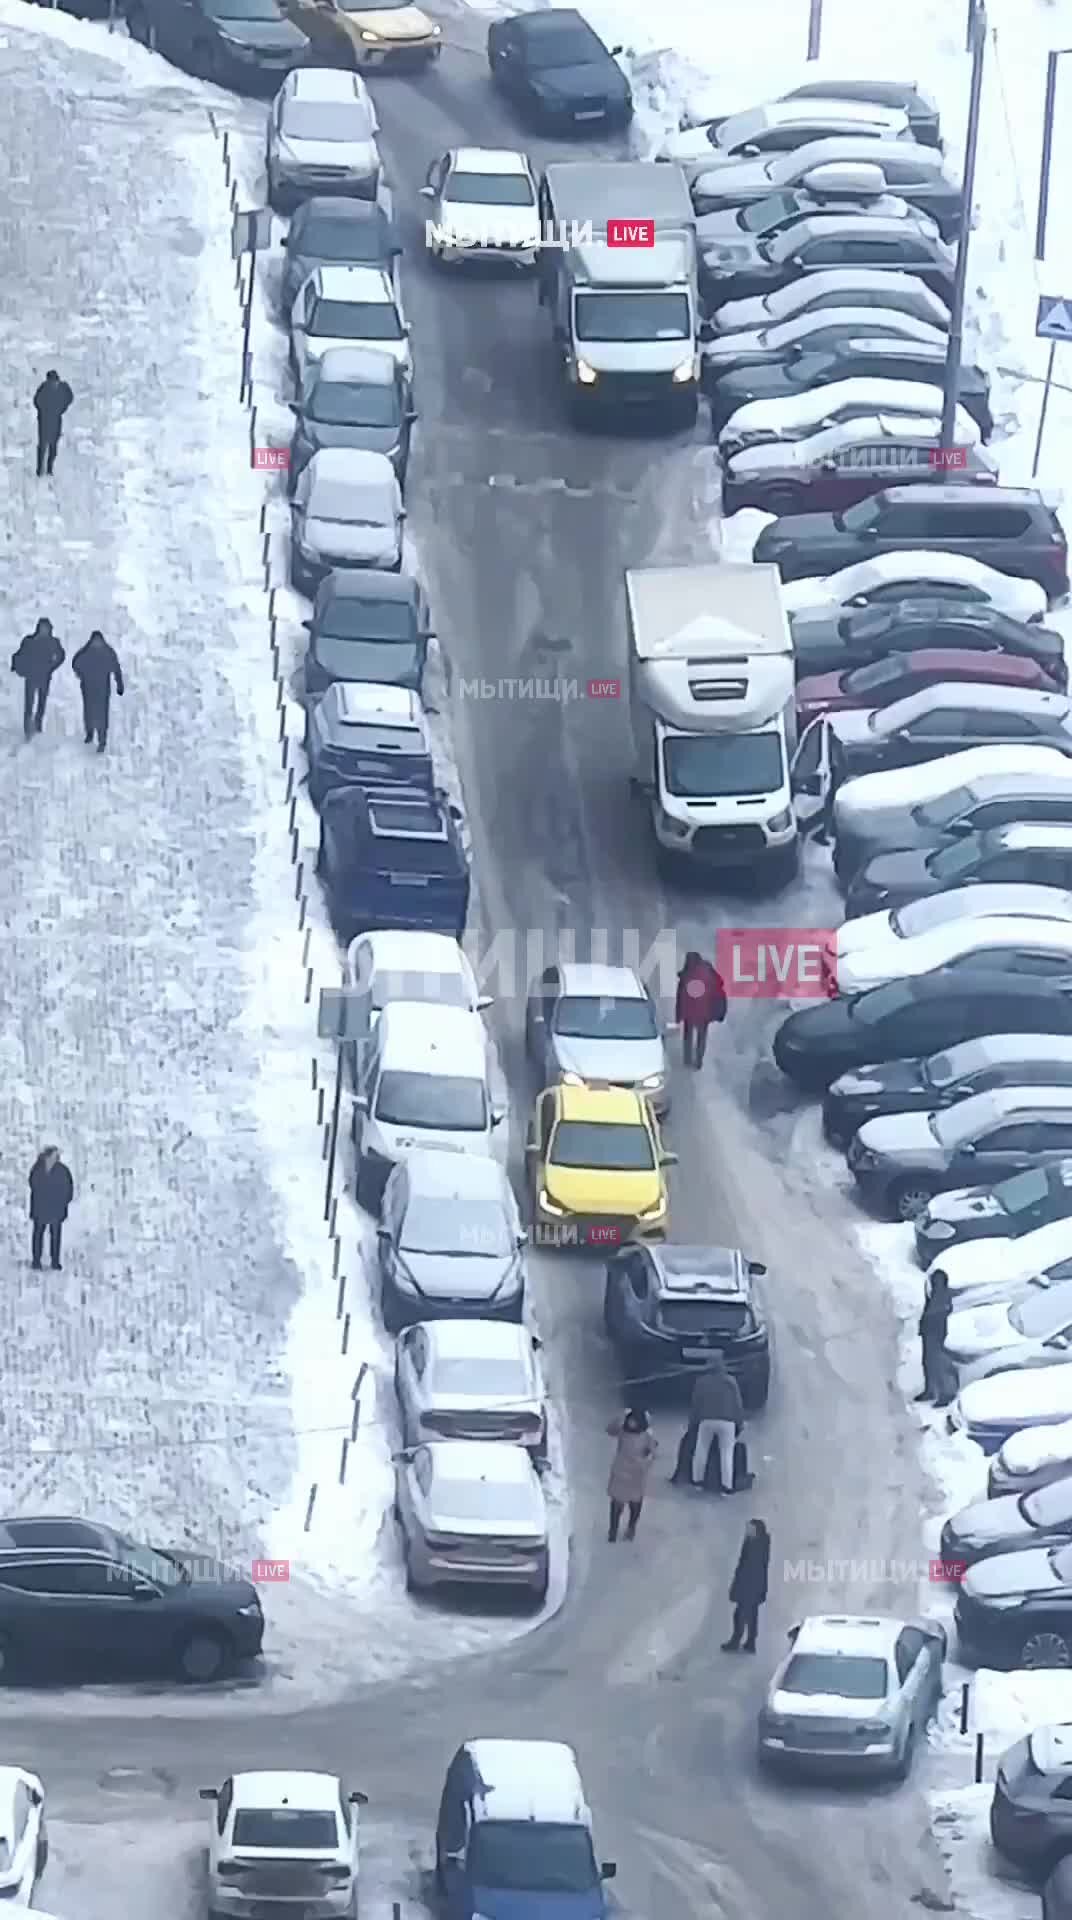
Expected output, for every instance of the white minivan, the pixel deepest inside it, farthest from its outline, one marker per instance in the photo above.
(425, 1082)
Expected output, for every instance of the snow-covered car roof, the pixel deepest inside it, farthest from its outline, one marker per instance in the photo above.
(491, 160)
(529, 1780)
(843, 115)
(472, 1339)
(998, 1262)
(1046, 1446)
(306, 1792)
(810, 449)
(936, 947)
(1035, 1395)
(976, 696)
(870, 1636)
(895, 398)
(600, 982)
(406, 953)
(800, 295)
(364, 366)
(435, 1173)
(958, 906)
(916, 567)
(421, 1037)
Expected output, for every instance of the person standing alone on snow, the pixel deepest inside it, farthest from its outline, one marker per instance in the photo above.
(35, 661)
(51, 1193)
(748, 1588)
(701, 998)
(51, 401)
(628, 1483)
(97, 665)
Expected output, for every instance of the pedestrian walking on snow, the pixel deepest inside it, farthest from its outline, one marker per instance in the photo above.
(51, 1193)
(35, 661)
(748, 1588)
(628, 1483)
(97, 666)
(51, 401)
(716, 1415)
(939, 1377)
(701, 999)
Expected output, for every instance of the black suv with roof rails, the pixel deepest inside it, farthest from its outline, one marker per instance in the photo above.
(803, 369)
(1009, 528)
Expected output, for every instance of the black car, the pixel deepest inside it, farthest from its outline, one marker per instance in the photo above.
(393, 857)
(823, 241)
(1010, 528)
(990, 801)
(372, 626)
(942, 1079)
(345, 747)
(1015, 1609)
(668, 1309)
(1031, 1811)
(873, 358)
(1017, 853)
(77, 1598)
(556, 68)
(863, 634)
(1014, 1520)
(923, 120)
(816, 1045)
(1057, 1891)
(1006, 1212)
(353, 397)
(243, 44)
(332, 232)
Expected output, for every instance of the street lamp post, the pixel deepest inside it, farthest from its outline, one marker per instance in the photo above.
(960, 281)
(1049, 104)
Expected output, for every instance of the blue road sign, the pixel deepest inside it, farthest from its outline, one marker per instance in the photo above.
(1053, 321)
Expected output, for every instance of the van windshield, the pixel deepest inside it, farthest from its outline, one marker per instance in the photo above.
(522, 1856)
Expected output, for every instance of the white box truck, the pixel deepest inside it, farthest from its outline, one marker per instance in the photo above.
(714, 713)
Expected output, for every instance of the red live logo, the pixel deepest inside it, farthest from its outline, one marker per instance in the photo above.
(266, 1571)
(777, 963)
(275, 459)
(604, 689)
(948, 1572)
(630, 233)
(948, 459)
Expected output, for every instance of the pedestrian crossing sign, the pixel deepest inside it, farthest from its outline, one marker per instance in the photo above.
(1053, 320)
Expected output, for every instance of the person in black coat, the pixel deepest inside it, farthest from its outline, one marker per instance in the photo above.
(51, 401)
(51, 1193)
(35, 661)
(97, 666)
(939, 1378)
(748, 1588)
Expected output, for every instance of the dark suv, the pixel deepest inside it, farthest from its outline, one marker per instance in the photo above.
(78, 1598)
(249, 45)
(873, 358)
(668, 1309)
(393, 857)
(1010, 528)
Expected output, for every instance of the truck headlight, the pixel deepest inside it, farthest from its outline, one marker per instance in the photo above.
(685, 372)
(586, 375)
(780, 821)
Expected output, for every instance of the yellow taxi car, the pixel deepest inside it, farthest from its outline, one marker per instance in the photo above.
(372, 33)
(596, 1167)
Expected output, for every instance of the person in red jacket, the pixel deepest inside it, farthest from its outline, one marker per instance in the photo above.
(701, 998)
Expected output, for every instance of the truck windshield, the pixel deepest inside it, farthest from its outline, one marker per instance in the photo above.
(633, 316)
(706, 766)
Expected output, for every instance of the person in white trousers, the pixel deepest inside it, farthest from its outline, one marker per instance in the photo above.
(717, 1413)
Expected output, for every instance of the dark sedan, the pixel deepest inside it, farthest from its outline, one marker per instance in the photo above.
(882, 682)
(353, 397)
(554, 67)
(1019, 853)
(77, 1598)
(1031, 1811)
(244, 44)
(372, 626)
(870, 358)
(1005, 1212)
(1039, 1519)
(943, 1079)
(1015, 1609)
(814, 1046)
(345, 747)
(333, 232)
(854, 639)
(823, 241)
(668, 1309)
(1010, 528)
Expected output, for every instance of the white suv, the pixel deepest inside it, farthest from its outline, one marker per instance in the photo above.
(348, 307)
(425, 1082)
(321, 138)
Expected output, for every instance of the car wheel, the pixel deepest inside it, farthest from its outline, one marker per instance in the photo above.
(203, 1656)
(908, 1198)
(1043, 1649)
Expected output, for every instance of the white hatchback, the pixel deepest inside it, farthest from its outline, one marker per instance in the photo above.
(761, 422)
(482, 206)
(892, 929)
(348, 307)
(923, 572)
(284, 1843)
(1042, 943)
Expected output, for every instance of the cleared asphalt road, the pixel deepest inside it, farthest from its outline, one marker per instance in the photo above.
(524, 529)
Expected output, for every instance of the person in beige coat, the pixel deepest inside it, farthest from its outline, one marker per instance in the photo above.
(628, 1483)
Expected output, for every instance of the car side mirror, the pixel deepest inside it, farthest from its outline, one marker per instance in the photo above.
(358, 1799)
(427, 193)
(412, 415)
(37, 1798)
(456, 813)
(793, 1632)
(209, 1793)
(455, 1859)
(485, 1001)
(498, 1115)
(668, 1159)
(294, 407)
(308, 625)
(407, 329)
(537, 1343)
(757, 1269)
(361, 1102)
(609, 1870)
(968, 1150)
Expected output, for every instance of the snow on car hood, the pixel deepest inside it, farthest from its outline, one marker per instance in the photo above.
(262, 36)
(1046, 1446)
(960, 1203)
(343, 540)
(1030, 1571)
(456, 1276)
(905, 1136)
(978, 1330)
(988, 1520)
(1020, 1399)
(625, 1062)
(1000, 1262)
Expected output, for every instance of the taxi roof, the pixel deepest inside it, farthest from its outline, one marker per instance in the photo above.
(605, 1106)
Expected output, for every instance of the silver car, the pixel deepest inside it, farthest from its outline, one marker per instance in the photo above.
(450, 1240)
(321, 138)
(471, 1380)
(598, 1023)
(348, 307)
(347, 512)
(854, 1693)
(472, 1513)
